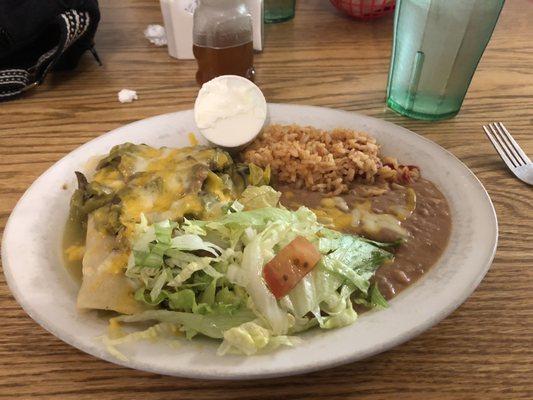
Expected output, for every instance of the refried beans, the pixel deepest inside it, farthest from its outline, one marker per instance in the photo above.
(428, 226)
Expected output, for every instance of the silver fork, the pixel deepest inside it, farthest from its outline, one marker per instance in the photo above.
(510, 152)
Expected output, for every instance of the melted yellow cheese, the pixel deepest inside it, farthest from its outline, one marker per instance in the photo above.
(165, 199)
(328, 202)
(118, 262)
(148, 152)
(114, 330)
(335, 217)
(360, 219)
(192, 139)
(134, 204)
(289, 195)
(187, 205)
(160, 183)
(215, 185)
(373, 223)
(75, 253)
(110, 178)
(167, 159)
(402, 212)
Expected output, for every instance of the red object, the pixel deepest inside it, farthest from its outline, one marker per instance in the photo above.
(290, 265)
(365, 9)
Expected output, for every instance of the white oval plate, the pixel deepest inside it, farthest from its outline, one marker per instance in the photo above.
(31, 255)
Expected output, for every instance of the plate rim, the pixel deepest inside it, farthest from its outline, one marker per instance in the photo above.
(305, 368)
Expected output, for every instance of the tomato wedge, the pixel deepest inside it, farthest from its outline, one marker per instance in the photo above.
(290, 265)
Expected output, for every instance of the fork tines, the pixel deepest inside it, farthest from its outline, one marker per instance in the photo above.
(506, 146)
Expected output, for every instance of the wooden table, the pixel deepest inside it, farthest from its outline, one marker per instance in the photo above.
(483, 350)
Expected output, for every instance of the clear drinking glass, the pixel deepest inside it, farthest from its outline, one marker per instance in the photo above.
(279, 10)
(437, 46)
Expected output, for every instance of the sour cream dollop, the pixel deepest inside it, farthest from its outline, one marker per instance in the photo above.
(230, 111)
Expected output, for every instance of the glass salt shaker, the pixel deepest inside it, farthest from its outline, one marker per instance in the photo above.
(223, 39)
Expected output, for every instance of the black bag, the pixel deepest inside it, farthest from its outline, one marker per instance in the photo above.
(39, 35)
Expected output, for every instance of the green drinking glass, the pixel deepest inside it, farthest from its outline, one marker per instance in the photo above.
(279, 10)
(437, 46)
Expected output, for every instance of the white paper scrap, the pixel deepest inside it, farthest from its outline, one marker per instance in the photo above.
(156, 34)
(127, 96)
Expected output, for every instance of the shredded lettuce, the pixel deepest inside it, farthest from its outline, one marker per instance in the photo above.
(255, 256)
(213, 325)
(251, 338)
(374, 299)
(255, 197)
(161, 330)
(343, 318)
(353, 258)
(205, 276)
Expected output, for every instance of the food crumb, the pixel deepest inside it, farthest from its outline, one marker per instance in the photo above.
(64, 186)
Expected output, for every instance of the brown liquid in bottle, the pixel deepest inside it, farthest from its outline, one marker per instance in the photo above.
(235, 60)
